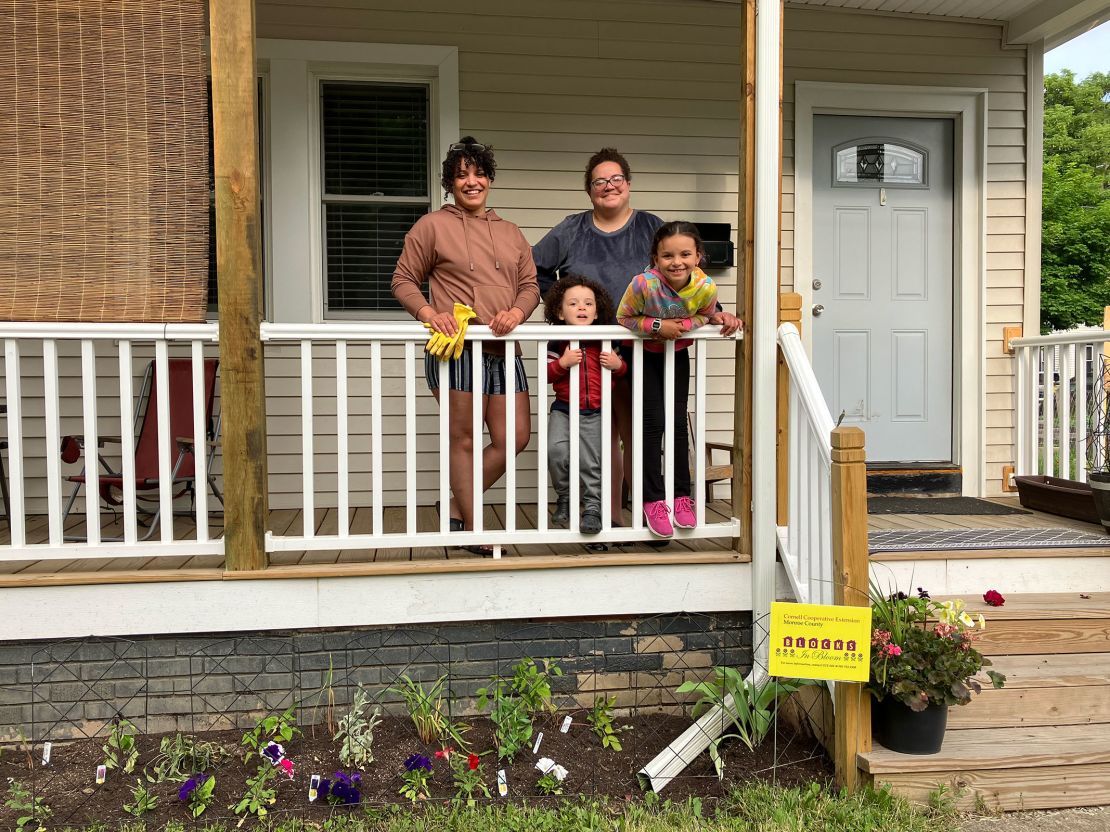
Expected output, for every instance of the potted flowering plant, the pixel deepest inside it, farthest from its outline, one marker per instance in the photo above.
(923, 661)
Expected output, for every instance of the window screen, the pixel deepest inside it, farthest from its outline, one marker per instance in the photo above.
(375, 183)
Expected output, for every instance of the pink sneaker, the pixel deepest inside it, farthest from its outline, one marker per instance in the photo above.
(684, 515)
(658, 518)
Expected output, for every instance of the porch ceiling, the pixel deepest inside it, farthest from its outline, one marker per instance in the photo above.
(1026, 21)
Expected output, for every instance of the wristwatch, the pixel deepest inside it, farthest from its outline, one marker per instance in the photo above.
(656, 325)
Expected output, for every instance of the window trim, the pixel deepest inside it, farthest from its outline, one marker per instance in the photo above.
(318, 81)
(297, 214)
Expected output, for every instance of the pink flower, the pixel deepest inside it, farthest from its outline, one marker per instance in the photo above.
(892, 650)
(286, 765)
(880, 638)
(445, 753)
(994, 598)
(945, 630)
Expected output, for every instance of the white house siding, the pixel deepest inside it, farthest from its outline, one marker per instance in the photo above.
(546, 84)
(874, 49)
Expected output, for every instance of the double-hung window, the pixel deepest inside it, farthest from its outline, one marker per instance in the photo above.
(375, 183)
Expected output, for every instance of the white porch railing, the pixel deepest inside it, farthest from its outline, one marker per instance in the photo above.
(1057, 376)
(532, 339)
(805, 543)
(37, 418)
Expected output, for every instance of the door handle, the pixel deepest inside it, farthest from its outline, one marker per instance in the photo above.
(817, 310)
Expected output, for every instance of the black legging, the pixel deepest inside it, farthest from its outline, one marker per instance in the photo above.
(654, 420)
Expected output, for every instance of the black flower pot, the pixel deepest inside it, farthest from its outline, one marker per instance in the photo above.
(1100, 491)
(907, 731)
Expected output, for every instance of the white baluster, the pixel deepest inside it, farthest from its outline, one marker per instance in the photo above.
(410, 438)
(342, 440)
(700, 361)
(476, 436)
(53, 440)
(637, 434)
(308, 476)
(92, 443)
(12, 383)
(200, 439)
(575, 469)
(541, 447)
(166, 442)
(510, 435)
(376, 435)
(127, 443)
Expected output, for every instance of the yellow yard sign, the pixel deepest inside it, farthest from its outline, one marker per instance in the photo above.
(815, 641)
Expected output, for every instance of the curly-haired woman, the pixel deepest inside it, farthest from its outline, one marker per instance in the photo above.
(468, 254)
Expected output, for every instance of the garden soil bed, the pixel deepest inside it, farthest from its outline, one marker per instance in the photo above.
(68, 783)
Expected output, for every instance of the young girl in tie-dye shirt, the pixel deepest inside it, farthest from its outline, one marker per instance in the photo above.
(671, 298)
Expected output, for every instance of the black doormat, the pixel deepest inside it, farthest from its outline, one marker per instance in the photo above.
(937, 505)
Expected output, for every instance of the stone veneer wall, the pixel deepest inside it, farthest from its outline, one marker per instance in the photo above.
(68, 689)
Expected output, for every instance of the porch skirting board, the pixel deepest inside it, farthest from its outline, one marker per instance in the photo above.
(225, 606)
(921, 540)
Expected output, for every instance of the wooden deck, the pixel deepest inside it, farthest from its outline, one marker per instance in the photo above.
(1033, 520)
(282, 521)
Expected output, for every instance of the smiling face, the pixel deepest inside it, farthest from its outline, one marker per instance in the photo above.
(579, 306)
(470, 188)
(609, 197)
(676, 257)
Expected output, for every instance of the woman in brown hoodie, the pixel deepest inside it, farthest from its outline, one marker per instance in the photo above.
(470, 255)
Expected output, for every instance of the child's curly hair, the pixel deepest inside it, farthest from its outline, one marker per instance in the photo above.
(553, 303)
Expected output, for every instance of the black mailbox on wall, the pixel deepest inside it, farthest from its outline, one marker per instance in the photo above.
(719, 250)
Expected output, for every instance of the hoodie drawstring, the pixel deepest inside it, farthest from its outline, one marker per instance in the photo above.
(493, 242)
(466, 237)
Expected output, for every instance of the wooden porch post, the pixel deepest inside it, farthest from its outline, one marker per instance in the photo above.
(850, 571)
(239, 272)
(745, 274)
(790, 312)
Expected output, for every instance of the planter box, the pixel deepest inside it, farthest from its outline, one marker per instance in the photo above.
(1066, 498)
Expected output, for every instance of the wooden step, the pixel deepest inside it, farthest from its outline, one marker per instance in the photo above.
(1004, 768)
(1041, 690)
(998, 790)
(1044, 623)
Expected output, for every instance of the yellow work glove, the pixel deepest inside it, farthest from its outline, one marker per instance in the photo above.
(439, 345)
(450, 346)
(463, 315)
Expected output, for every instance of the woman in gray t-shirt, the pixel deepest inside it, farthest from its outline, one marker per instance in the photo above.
(610, 243)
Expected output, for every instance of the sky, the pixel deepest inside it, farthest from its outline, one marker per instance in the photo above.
(1090, 52)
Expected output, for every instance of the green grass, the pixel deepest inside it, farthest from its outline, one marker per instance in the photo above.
(754, 808)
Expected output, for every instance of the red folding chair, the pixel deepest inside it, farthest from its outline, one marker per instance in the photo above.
(147, 477)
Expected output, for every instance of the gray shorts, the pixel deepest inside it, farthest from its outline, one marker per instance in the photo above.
(460, 372)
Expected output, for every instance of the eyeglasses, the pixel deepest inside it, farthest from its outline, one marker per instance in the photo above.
(480, 148)
(615, 181)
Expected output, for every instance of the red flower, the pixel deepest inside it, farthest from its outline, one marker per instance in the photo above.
(994, 598)
(473, 760)
(445, 753)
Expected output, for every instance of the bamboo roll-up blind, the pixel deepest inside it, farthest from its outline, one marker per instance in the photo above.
(103, 160)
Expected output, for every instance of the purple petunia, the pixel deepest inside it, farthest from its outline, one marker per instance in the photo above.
(417, 761)
(190, 786)
(274, 753)
(345, 789)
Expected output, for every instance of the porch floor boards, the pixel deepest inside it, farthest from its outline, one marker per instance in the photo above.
(940, 522)
(325, 521)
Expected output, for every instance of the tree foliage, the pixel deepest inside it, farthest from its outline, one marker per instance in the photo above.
(1075, 261)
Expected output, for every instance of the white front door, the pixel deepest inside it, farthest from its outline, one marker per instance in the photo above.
(882, 281)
